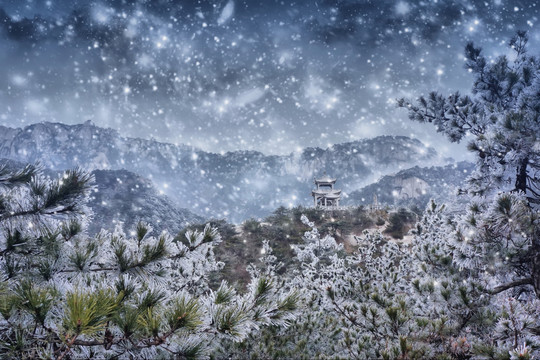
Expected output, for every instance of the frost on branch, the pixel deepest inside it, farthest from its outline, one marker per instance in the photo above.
(480, 259)
(65, 294)
(364, 294)
(314, 246)
(501, 119)
(468, 285)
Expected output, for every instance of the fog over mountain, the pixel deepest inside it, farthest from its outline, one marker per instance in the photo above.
(415, 186)
(234, 185)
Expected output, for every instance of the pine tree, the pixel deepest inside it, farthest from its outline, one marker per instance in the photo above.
(484, 252)
(501, 119)
(356, 305)
(65, 294)
(468, 284)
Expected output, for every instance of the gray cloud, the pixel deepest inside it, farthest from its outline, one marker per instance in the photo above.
(323, 71)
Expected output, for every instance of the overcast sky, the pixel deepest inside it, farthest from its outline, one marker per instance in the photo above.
(267, 75)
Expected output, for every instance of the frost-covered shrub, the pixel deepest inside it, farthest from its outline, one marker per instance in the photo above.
(483, 253)
(65, 294)
(468, 286)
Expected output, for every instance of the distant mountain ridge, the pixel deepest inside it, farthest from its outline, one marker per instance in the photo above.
(122, 198)
(125, 198)
(415, 186)
(236, 185)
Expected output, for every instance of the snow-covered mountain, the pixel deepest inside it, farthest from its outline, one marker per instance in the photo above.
(415, 186)
(235, 185)
(124, 198)
(120, 197)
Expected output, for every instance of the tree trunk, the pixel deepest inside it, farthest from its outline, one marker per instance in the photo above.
(535, 271)
(521, 176)
(535, 254)
(521, 185)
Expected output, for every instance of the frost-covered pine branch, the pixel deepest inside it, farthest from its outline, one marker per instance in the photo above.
(65, 294)
(468, 286)
(480, 264)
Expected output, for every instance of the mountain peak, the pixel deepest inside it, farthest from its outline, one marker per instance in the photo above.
(234, 185)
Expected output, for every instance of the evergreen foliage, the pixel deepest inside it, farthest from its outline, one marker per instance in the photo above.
(468, 285)
(492, 249)
(67, 295)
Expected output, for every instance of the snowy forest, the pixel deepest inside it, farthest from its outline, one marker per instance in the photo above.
(157, 162)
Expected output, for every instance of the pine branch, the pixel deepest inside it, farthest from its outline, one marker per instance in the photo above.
(65, 194)
(10, 179)
(68, 347)
(513, 284)
(61, 198)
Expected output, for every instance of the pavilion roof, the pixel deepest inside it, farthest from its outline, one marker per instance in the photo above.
(325, 179)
